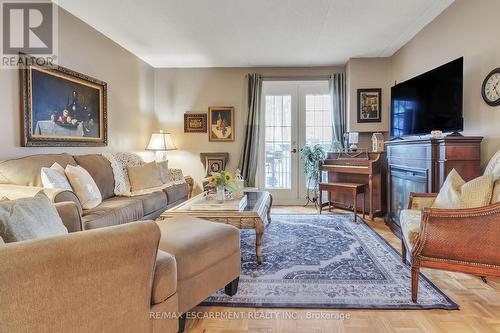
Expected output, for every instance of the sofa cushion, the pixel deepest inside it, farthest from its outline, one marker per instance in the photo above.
(113, 211)
(496, 192)
(165, 279)
(197, 244)
(29, 218)
(26, 170)
(493, 167)
(100, 169)
(153, 202)
(410, 225)
(176, 192)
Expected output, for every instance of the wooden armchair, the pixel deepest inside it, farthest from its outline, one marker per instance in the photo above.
(461, 240)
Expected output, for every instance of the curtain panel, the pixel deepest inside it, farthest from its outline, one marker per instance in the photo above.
(337, 87)
(248, 160)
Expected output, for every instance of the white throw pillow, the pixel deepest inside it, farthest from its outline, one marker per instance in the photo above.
(84, 186)
(457, 194)
(54, 177)
(493, 167)
(496, 192)
(119, 163)
(29, 218)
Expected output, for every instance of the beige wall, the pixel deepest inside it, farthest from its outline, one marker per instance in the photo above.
(195, 89)
(368, 73)
(130, 90)
(469, 29)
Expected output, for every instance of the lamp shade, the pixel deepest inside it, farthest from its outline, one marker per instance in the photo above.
(161, 142)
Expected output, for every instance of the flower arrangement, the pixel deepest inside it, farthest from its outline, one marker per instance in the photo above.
(223, 180)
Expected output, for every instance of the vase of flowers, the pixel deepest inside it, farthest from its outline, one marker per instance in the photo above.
(222, 181)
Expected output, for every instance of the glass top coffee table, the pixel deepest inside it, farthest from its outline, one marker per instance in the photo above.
(255, 215)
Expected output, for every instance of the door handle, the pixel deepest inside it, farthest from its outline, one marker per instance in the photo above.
(294, 150)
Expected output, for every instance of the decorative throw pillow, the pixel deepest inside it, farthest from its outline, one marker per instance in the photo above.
(493, 167)
(496, 192)
(84, 186)
(214, 164)
(54, 177)
(144, 179)
(1, 241)
(165, 174)
(29, 218)
(119, 163)
(457, 194)
(176, 177)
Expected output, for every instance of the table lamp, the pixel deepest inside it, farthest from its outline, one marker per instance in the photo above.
(160, 143)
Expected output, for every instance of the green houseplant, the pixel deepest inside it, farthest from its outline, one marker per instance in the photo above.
(312, 158)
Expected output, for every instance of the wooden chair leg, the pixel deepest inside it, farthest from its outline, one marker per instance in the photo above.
(329, 201)
(414, 281)
(355, 206)
(403, 251)
(320, 199)
(364, 198)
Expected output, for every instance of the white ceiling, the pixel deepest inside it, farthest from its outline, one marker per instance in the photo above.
(246, 33)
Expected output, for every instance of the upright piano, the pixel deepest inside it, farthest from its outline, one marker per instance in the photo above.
(358, 167)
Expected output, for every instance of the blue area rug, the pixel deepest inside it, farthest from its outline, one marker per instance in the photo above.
(326, 261)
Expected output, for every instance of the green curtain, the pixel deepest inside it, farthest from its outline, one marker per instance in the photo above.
(248, 160)
(337, 87)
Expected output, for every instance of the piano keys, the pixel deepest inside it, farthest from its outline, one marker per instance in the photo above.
(360, 167)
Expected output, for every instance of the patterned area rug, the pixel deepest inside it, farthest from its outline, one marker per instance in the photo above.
(326, 261)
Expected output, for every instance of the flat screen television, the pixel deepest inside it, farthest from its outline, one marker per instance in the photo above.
(430, 101)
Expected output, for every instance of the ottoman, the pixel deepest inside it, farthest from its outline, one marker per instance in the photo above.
(207, 254)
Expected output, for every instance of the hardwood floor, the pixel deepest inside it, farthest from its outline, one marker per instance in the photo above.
(479, 307)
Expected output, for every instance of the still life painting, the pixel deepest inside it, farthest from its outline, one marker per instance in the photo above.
(62, 108)
(369, 105)
(221, 120)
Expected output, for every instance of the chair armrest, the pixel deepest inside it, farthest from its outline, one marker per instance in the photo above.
(466, 236)
(165, 278)
(421, 200)
(79, 281)
(55, 195)
(70, 215)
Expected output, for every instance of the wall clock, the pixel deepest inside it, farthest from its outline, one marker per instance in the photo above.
(491, 88)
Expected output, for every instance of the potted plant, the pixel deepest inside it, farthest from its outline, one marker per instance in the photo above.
(312, 158)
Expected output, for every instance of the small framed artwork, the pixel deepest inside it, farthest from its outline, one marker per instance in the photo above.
(221, 123)
(62, 108)
(195, 122)
(369, 105)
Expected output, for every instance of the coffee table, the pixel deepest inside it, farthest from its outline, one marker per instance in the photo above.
(256, 215)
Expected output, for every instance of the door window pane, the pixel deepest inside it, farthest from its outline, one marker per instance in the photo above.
(278, 145)
(318, 120)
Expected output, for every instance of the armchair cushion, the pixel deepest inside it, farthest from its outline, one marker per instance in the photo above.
(410, 225)
(496, 192)
(457, 194)
(493, 167)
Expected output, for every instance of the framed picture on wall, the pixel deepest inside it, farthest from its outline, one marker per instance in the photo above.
(369, 105)
(62, 108)
(195, 122)
(221, 123)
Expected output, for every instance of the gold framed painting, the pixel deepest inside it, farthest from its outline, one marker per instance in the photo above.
(62, 108)
(221, 123)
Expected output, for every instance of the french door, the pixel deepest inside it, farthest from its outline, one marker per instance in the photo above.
(293, 114)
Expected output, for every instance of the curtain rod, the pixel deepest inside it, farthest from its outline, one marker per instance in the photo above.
(295, 77)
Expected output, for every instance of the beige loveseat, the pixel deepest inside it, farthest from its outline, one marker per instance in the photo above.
(21, 177)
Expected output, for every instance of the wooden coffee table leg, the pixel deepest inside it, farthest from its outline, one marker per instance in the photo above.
(259, 233)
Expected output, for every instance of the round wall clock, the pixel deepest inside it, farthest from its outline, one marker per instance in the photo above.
(491, 88)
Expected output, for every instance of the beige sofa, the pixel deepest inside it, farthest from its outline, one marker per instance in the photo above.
(21, 176)
(89, 282)
(207, 254)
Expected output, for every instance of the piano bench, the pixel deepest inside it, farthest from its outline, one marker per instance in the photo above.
(354, 188)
